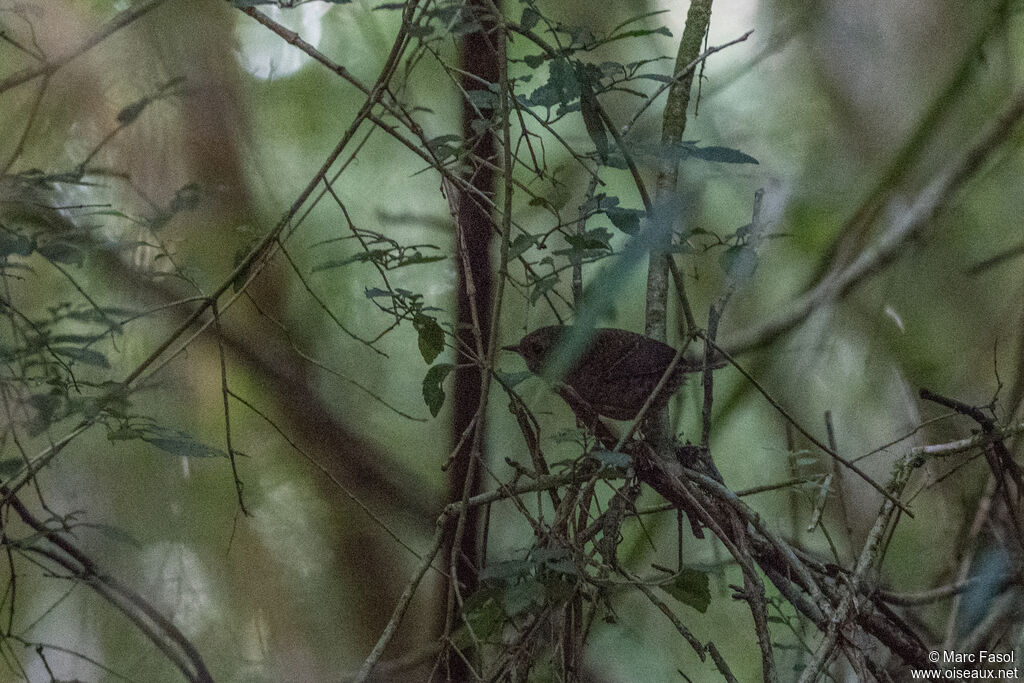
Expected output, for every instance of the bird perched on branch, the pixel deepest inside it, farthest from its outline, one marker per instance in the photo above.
(616, 372)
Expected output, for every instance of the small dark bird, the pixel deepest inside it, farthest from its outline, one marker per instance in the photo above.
(614, 374)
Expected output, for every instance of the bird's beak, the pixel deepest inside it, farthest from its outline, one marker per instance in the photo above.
(513, 347)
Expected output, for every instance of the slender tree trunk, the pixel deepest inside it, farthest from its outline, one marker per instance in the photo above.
(479, 60)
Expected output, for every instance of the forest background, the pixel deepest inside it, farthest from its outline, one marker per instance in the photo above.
(258, 263)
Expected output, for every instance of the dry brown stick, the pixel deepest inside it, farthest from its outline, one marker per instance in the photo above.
(667, 611)
(793, 576)
(851, 597)
(753, 594)
(723, 666)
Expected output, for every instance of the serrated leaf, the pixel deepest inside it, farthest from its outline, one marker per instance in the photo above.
(542, 286)
(598, 238)
(520, 244)
(690, 587)
(561, 88)
(433, 391)
(430, 337)
(529, 18)
(533, 61)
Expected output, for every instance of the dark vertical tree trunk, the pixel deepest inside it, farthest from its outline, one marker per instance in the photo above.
(479, 60)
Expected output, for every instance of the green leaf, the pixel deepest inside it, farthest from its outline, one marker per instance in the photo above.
(626, 220)
(186, 198)
(433, 392)
(117, 534)
(592, 120)
(445, 146)
(482, 99)
(598, 238)
(520, 244)
(511, 379)
(561, 88)
(62, 252)
(124, 434)
(542, 286)
(431, 337)
(420, 30)
(690, 587)
(523, 596)
(556, 198)
(81, 355)
(45, 407)
(482, 617)
(530, 18)
(178, 443)
(506, 571)
(661, 78)
(132, 111)
(15, 245)
(533, 61)
(10, 467)
(240, 255)
(638, 33)
(740, 261)
(724, 155)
